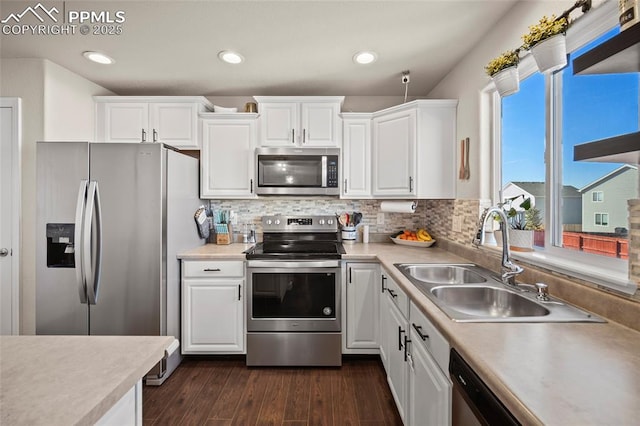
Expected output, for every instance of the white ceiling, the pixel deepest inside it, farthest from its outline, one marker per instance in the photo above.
(290, 47)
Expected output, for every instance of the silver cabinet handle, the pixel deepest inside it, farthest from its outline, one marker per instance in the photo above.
(383, 279)
(410, 183)
(144, 135)
(304, 136)
(4, 252)
(293, 136)
(155, 135)
(239, 291)
(345, 186)
(251, 186)
(211, 269)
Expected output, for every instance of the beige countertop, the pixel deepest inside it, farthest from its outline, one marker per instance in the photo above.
(70, 380)
(544, 373)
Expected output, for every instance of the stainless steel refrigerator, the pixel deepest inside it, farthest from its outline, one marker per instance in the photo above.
(111, 218)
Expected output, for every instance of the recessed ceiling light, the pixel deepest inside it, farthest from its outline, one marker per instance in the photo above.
(365, 57)
(98, 57)
(230, 57)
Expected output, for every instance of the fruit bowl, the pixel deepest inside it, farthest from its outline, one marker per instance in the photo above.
(412, 243)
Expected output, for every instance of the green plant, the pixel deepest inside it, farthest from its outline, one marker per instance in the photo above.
(505, 60)
(517, 216)
(545, 28)
(532, 219)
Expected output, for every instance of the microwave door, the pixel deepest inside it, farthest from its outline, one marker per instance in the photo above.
(291, 173)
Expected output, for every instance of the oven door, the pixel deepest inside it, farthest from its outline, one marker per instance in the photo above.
(293, 296)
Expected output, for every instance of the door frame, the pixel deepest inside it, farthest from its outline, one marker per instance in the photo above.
(16, 195)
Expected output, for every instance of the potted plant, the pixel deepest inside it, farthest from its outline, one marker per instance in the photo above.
(503, 70)
(547, 42)
(524, 220)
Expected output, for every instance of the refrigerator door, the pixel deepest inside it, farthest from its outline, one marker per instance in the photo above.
(60, 168)
(131, 181)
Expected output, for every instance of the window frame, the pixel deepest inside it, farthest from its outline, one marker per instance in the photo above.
(597, 196)
(608, 272)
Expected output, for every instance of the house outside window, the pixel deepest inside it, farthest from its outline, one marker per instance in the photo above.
(538, 129)
(597, 196)
(602, 219)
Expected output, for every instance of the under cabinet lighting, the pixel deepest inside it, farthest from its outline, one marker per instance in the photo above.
(230, 57)
(98, 57)
(365, 57)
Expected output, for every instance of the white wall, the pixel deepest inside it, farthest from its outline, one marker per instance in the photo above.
(468, 79)
(351, 103)
(56, 105)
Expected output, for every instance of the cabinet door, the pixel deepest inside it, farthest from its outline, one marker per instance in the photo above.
(279, 124)
(394, 148)
(320, 125)
(383, 323)
(397, 371)
(123, 122)
(175, 124)
(429, 388)
(212, 316)
(356, 158)
(363, 298)
(227, 158)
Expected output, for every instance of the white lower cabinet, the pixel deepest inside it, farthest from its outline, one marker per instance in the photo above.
(416, 358)
(362, 291)
(212, 307)
(127, 411)
(429, 384)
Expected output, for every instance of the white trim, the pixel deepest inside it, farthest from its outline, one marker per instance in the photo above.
(16, 197)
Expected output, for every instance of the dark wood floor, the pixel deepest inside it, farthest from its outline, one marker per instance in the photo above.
(218, 391)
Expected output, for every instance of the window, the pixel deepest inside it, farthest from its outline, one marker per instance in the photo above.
(538, 129)
(602, 219)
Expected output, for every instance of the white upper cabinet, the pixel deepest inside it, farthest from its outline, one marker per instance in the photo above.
(227, 159)
(171, 120)
(312, 121)
(413, 150)
(356, 155)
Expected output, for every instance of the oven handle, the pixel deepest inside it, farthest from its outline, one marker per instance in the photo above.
(293, 264)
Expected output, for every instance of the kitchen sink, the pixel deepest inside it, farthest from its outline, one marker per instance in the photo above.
(444, 274)
(470, 293)
(489, 302)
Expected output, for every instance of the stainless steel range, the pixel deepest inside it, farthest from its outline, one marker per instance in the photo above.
(293, 303)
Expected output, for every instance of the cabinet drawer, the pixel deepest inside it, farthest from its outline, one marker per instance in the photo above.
(398, 296)
(431, 339)
(212, 268)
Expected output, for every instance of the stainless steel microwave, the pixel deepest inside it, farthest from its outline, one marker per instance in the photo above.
(297, 171)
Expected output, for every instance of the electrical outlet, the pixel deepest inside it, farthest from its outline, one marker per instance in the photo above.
(457, 224)
(380, 219)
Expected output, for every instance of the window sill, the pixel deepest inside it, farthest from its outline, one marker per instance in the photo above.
(606, 272)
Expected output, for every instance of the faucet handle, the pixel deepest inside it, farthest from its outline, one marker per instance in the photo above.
(543, 291)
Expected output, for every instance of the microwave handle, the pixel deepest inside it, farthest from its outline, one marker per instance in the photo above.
(324, 171)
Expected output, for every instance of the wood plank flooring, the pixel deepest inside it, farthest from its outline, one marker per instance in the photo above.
(222, 391)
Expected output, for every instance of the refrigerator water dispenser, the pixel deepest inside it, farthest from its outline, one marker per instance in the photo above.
(60, 248)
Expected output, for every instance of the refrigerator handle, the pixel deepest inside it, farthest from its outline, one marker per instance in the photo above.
(92, 261)
(77, 240)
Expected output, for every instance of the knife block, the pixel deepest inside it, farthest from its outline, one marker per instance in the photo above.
(225, 238)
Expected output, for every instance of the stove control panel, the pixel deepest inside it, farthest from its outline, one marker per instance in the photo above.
(299, 224)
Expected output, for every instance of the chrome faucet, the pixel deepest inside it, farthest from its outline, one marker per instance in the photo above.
(509, 270)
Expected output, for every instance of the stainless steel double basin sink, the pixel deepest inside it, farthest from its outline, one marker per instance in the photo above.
(469, 293)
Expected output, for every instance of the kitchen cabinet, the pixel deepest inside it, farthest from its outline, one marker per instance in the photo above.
(395, 343)
(291, 121)
(213, 307)
(127, 411)
(620, 54)
(356, 155)
(362, 296)
(430, 389)
(227, 158)
(413, 150)
(172, 120)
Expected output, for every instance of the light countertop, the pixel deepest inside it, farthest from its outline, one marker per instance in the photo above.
(71, 380)
(544, 373)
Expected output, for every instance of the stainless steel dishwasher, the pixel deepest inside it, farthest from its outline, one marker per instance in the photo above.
(473, 403)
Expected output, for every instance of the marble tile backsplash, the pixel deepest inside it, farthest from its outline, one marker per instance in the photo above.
(251, 211)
